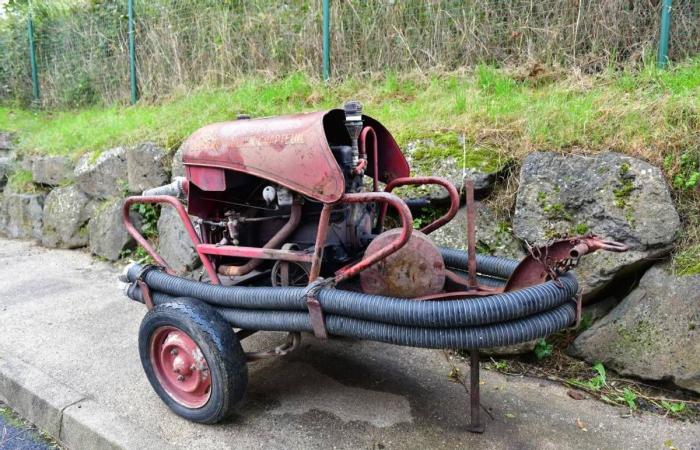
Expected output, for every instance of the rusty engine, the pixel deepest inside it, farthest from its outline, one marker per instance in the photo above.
(262, 184)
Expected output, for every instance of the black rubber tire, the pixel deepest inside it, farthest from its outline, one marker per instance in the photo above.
(220, 347)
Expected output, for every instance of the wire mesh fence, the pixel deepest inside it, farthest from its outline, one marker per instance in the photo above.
(83, 54)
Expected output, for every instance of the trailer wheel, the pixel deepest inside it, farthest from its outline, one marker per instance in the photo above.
(193, 360)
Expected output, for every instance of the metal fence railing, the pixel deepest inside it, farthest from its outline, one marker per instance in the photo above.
(119, 50)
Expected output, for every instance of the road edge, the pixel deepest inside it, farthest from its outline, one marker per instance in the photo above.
(71, 418)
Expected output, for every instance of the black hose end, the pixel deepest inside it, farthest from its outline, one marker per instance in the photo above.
(132, 272)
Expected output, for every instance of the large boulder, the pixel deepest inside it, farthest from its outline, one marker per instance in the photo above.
(108, 236)
(52, 170)
(23, 163)
(147, 166)
(102, 176)
(7, 161)
(6, 146)
(493, 236)
(174, 244)
(6, 167)
(66, 214)
(654, 333)
(22, 214)
(177, 168)
(611, 195)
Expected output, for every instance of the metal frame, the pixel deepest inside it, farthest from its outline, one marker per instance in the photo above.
(205, 250)
(440, 221)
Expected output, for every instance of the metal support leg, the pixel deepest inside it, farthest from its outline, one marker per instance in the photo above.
(475, 426)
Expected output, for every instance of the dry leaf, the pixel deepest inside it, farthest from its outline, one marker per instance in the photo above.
(576, 395)
(581, 425)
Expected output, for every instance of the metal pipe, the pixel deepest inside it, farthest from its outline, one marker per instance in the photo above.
(189, 228)
(471, 234)
(276, 240)
(178, 188)
(444, 182)
(292, 343)
(475, 426)
(664, 33)
(375, 154)
(32, 60)
(578, 250)
(132, 53)
(406, 230)
(326, 40)
(321, 234)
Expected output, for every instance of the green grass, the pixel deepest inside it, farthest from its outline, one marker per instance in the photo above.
(624, 111)
(502, 115)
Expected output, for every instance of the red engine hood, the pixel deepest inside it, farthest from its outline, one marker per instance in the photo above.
(290, 150)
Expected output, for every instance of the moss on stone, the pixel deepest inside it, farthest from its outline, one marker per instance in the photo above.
(94, 156)
(21, 181)
(580, 229)
(638, 339)
(553, 210)
(441, 145)
(624, 187)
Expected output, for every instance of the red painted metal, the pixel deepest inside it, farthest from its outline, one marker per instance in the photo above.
(316, 316)
(482, 291)
(180, 367)
(321, 234)
(254, 252)
(545, 262)
(290, 150)
(453, 278)
(471, 234)
(391, 163)
(440, 221)
(368, 132)
(207, 178)
(406, 230)
(146, 293)
(189, 228)
(415, 270)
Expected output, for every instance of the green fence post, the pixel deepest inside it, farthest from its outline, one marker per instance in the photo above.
(664, 32)
(32, 59)
(132, 54)
(326, 40)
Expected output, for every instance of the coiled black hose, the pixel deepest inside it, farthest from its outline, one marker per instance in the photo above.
(375, 308)
(482, 322)
(495, 335)
(486, 264)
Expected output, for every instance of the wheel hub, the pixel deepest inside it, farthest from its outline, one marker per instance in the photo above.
(180, 367)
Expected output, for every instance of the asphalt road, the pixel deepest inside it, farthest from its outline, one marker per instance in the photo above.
(62, 313)
(17, 434)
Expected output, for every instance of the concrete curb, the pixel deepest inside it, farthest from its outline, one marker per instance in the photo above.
(68, 416)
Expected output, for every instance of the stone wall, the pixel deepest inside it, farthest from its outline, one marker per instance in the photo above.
(78, 204)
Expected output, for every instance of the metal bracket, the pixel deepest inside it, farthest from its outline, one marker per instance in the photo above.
(143, 287)
(318, 322)
(579, 307)
(475, 425)
(145, 293)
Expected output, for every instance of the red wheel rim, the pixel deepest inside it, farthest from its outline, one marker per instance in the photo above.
(180, 367)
